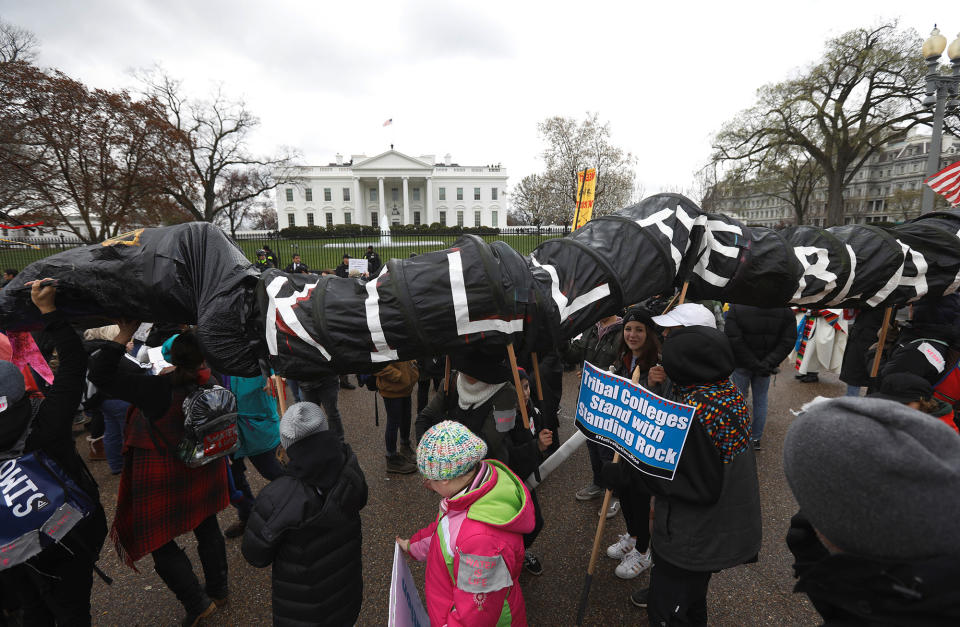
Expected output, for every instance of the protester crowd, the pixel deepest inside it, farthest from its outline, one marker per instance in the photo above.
(876, 478)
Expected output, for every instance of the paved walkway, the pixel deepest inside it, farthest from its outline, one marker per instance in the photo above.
(757, 594)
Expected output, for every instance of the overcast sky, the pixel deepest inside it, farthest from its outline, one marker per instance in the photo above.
(472, 79)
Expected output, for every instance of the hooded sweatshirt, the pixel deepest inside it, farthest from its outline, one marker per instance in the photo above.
(474, 551)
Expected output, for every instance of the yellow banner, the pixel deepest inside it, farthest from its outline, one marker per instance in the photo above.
(586, 188)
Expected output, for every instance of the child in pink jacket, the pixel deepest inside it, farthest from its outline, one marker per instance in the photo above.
(474, 549)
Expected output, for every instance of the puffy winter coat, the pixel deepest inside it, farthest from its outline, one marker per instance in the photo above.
(474, 552)
(307, 524)
(761, 338)
(599, 349)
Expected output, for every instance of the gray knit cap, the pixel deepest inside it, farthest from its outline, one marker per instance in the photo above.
(301, 420)
(876, 478)
(11, 385)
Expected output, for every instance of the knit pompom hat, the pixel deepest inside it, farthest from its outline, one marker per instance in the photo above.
(448, 450)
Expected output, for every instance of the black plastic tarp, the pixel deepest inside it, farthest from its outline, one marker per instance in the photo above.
(189, 273)
(486, 295)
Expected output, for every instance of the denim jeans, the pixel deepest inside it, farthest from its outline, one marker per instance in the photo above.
(325, 392)
(398, 422)
(760, 384)
(269, 468)
(853, 390)
(114, 421)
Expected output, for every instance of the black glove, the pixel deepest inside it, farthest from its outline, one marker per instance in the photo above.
(613, 476)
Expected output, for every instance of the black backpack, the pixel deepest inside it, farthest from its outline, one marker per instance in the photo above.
(209, 426)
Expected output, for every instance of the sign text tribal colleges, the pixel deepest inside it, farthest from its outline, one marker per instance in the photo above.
(648, 431)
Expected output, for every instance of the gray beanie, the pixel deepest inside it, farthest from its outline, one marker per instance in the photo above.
(301, 420)
(876, 478)
(11, 385)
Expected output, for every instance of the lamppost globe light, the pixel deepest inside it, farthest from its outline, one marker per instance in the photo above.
(954, 50)
(934, 45)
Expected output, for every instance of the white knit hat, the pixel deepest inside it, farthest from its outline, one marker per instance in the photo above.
(301, 420)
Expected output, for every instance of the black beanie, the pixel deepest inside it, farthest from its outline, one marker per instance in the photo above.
(696, 355)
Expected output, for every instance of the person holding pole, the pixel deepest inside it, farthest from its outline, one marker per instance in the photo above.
(640, 351)
(708, 517)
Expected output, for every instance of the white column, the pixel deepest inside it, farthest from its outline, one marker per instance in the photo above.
(429, 191)
(380, 218)
(358, 204)
(405, 215)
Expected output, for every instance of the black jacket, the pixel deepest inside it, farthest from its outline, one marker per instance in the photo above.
(307, 524)
(373, 262)
(51, 430)
(342, 271)
(599, 351)
(857, 357)
(851, 590)
(708, 517)
(761, 338)
(297, 268)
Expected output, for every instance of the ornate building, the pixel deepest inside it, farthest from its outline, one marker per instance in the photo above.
(886, 189)
(393, 188)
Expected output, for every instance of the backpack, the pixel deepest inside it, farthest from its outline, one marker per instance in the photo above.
(209, 426)
(40, 505)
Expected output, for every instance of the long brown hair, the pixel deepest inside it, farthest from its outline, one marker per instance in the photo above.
(649, 352)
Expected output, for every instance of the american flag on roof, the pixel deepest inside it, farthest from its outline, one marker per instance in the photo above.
(388, 122)
(946, 182)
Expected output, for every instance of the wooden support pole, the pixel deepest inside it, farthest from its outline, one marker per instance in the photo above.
(280, 385)
(536, 375)
(516, 383)
(882, 340)
(598, 537)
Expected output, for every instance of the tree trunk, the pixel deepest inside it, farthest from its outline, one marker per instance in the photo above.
(834, 200)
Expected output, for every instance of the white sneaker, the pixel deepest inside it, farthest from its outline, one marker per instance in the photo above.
(613, 508)
(623, 546)
(632, 564)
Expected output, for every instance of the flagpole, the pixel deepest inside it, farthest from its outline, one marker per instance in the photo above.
(580, 186)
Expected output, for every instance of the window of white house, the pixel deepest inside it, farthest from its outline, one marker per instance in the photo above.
(476, 218)
(308, 194)
(443, 218)
(289, 195)
(373, 219)
(493, 194)
(394, 194)
(493, 216)
(459, 193)
(346, 194)
(459, 218)
(416, 217)
(291, 221)
(416, 193)
(443, 193)
(347, 218)
(329, 219)
(309, 219)
(476, 193)
(373, 194)
(327, 194)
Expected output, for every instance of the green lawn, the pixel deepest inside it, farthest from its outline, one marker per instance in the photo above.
(316, 253)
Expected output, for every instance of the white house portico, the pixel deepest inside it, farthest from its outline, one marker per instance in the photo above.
(393, 188)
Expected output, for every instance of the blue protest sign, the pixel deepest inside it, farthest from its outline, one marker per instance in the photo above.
(647, 430)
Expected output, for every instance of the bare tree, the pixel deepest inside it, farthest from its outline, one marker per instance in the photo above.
(264, 217)
(532, 201)
(574, 146)
(81, 158)
(864, 93)
(211, 143)
(17, 44)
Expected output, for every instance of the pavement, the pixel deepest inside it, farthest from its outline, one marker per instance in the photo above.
(754, 594)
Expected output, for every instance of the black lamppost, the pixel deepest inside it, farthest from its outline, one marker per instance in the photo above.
(939, 88)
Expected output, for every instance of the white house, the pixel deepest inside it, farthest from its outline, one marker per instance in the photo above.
(393, 188)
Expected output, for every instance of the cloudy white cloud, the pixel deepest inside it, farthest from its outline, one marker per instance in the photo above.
(469, 78)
